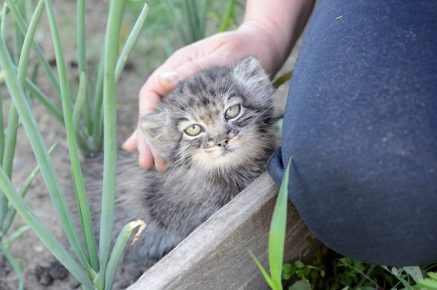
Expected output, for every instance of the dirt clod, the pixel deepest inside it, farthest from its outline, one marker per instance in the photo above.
(46, 275)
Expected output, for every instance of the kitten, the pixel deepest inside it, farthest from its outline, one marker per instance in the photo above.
(215, 132)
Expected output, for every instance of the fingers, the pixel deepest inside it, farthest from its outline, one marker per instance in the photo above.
(131, 143)
(168, 80)
(146, 159)
(160, 164)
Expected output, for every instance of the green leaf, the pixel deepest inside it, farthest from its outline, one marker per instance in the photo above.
(38, 51)
(15, 266)
(300, 285)
(428, 284)
(42, 232)
(432, 275)
(287, 271)
(119, 247)
(110, 141)
(277, 230)
(266, 276)
(40, 150)
(131, 39)
(17, 234)
(78, 181)
(414, 272)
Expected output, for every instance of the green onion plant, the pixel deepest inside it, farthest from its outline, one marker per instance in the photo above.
(86, 117)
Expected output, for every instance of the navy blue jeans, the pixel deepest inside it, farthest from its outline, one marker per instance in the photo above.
(361, 126)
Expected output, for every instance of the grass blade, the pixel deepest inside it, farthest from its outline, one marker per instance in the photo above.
(44, 100)
(9, 152)
(2, 130)
(119, 248)
(14, 265)
(13, 125)
(266, 276)
(229, 15)
(131, 39)
(17, 93)
(81, 53)
(79, 184)
(81, 40)
(277, 230)
(282, 79)
(110, 141)
(80, 100)
(23, 191)
(97, 108)
(3, 20)
(18, 233)
(48, 239)
(3, 201)
(38, 52)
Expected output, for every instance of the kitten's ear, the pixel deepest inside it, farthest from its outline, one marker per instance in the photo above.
(160, 133)
(249, 72)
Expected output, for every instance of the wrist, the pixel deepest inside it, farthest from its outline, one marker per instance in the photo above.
(265, 44)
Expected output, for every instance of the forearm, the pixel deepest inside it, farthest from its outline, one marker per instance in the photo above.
(279, 24)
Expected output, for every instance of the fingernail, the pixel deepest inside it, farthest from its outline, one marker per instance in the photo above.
(169, 78)
(160, 164)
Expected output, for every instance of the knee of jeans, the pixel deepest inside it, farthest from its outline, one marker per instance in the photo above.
(275, 166)
(373, 219)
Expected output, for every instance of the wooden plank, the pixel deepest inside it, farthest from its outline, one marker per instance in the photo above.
(215, 255)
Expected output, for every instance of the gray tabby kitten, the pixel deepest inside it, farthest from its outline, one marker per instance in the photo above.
(215, 132)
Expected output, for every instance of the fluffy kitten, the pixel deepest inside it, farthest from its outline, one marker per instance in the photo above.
(215, 132)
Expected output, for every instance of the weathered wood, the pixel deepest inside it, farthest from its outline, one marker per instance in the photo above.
(216, 255)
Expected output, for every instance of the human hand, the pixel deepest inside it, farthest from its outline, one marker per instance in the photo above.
(221, 49)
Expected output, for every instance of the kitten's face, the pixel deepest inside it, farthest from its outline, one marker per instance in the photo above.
(216, 119)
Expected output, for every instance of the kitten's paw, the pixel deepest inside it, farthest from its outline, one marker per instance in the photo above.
(45, 275)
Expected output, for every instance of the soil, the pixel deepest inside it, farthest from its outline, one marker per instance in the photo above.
(28, 250)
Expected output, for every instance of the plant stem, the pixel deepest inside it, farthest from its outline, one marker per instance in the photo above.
(36, 92)
(18, 233)
(81, 56)
(43, 233)
(2, 130)
(116, 10)
(23, 191)
(9, 153)
(14, 266)
(97, 108)
(131, 39)
(119, 248)
(78, 181)
(34, 136)
(38, 52)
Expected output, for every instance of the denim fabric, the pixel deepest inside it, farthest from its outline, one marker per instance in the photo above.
(361, 126)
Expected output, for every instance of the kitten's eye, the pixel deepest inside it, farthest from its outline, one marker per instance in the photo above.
(193, 130)
(232, 112)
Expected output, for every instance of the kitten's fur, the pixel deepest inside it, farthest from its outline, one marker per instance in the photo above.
(201, 176)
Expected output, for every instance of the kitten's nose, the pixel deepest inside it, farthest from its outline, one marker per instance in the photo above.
(221, 140)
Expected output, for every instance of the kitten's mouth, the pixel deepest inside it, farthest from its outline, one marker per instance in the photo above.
(220, 150)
